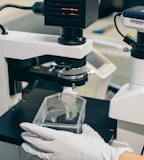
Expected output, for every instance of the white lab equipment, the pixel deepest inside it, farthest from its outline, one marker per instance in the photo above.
(27, 51)
(127, 105)
(13, 46)
(100, 70)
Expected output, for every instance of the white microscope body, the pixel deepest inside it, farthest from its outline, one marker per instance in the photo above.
(127, 106)
(69, 50)
(22, 46)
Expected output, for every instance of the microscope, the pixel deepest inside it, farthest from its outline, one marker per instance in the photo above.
(23, 54)
(127, 106)
(28, 57)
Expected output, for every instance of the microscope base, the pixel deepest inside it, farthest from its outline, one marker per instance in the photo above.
(127, 107)
(132, 134)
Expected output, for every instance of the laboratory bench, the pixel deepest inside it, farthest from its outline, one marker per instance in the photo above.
(25, 111)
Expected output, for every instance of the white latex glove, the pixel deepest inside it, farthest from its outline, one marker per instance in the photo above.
(50, 144)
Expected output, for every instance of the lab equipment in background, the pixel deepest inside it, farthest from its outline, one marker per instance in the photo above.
(100, 70)
(62, 111)
(127, 106)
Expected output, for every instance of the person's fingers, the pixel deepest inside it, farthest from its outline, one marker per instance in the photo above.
(43, 132)
(29, 134)
(35, 152)
(37, 142)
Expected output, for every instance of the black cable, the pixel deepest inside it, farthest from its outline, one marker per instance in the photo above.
(13, 6)
(115, 23)
(127, 39)
(142, 152)
(3, 30)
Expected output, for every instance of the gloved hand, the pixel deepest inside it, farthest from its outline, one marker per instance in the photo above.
(50, 144)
